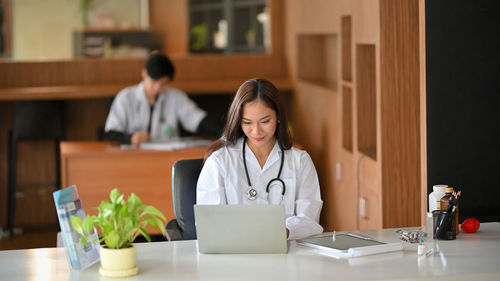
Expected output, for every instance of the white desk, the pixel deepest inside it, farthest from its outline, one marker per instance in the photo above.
(471, 257)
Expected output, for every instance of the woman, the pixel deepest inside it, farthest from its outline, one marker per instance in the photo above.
(254, 162)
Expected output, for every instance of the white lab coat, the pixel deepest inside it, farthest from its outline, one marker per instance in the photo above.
(223, 181)
(130, 113)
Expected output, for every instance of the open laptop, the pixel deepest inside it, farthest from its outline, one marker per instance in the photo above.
(241, 229)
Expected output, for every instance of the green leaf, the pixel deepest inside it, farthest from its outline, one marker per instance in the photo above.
(106, 213)
(114, 195)
(161, 226)
(134, 202)
(150, 221)
(84, 241)
(77, 224)
(145, 234)
(112, 239)
(150, 210)
(88, 224)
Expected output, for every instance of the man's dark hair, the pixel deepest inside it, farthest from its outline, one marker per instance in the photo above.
(158, 66)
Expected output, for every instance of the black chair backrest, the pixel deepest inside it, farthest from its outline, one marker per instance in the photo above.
(185, 175)
(38, 120)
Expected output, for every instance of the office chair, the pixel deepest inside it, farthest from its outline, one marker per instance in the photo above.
(185, 175)
(32, 120)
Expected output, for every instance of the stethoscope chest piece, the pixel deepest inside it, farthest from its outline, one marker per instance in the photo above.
(251, 193)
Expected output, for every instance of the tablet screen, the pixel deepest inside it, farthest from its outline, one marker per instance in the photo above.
(342, 242)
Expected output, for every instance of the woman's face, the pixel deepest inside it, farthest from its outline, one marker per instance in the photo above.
(259, 124)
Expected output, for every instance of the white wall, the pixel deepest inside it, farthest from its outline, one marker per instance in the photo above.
(42, 29)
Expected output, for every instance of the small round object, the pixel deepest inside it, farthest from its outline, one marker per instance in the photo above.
(252, 194)
(470, 225)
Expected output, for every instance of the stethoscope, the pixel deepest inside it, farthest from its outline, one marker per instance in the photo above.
(251, 192)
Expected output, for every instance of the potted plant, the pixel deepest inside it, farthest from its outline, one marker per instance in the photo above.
(119, 222)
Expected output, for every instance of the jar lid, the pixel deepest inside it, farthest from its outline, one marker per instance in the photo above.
(449, 189)
(439, 188)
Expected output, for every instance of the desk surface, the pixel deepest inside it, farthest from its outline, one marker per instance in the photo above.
(470, 257)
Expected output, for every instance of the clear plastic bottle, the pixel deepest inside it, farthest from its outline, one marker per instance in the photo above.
(444, 205)
(438, 191)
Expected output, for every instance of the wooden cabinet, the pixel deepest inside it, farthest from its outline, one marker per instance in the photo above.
(355, 67)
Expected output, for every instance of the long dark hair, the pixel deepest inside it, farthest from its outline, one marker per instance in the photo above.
(251, 90)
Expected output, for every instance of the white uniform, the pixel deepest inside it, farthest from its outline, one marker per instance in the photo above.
(130, 113)
(223, 181)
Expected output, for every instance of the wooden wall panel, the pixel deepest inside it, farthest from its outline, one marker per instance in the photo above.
(85, 117)
(346, 50)
(317, 144)
(170, 21)
(5, 125)
(71, 72)
(366, 21)
(400, 112)
(367, 171)
(366, 88)
(127, 71)
(423, 114)
(347, 118)
(277, 27)
(36, 176)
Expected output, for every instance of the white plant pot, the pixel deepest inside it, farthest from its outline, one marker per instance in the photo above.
(118, 262)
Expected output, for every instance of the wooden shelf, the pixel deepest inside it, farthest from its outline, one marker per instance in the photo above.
(318, 59)
(109, 29)
(60, 92)
(346, 83)
(228, 86)
(366, 99)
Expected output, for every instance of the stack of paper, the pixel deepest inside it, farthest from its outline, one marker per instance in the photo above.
(175, 144)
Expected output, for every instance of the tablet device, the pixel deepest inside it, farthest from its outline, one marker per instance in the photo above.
(349, 245)
(342, 242)
(241, 229)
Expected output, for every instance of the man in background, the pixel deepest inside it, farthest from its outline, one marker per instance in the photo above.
(152, 110)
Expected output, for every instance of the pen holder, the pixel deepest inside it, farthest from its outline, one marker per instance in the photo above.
(441, 219)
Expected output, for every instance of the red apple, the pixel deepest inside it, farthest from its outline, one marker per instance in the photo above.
(470, 225)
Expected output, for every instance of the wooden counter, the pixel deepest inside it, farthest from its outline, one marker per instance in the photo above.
(98, 167)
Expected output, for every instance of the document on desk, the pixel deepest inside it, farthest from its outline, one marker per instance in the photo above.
(349, 245)
(175, 144)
